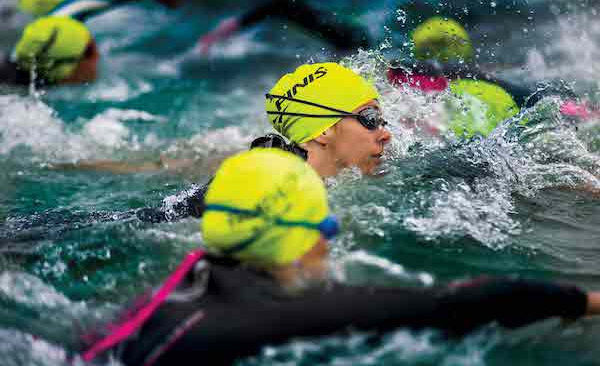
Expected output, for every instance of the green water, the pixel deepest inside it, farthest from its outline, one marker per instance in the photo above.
(72, 251)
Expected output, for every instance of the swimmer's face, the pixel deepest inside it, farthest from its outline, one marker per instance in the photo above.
(355, 145)
(87, 68)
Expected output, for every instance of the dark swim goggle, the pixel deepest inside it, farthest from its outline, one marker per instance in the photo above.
(329, 227)
(370, 117)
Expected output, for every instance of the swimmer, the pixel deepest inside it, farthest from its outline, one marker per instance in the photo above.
(58, 41)
(444, 54)
(56, 50)
(265, 280)
(330, 115)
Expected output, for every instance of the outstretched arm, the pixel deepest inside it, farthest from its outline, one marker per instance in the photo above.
(120, 167)
(224, 335)
(324, 24)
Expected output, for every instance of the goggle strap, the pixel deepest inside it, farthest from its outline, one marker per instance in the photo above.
(49, 43)
(229, 209)
(271, 96)
(239, 247)
(281, 222)
(312, 115)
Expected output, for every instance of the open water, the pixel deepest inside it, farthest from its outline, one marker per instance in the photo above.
(523, 201)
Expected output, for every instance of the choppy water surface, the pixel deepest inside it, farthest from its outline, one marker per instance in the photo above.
(523, 201)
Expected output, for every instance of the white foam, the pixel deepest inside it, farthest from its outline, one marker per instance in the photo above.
(28, 122)
(572, 54)
(29, 291)
(238, 46)
(386, 265)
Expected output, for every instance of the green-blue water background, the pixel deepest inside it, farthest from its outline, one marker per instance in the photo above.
(71, 252)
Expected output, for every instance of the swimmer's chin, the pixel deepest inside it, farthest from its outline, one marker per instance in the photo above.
(378, 169)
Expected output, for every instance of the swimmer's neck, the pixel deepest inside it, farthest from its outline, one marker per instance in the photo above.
(321, 160)
(308, 270)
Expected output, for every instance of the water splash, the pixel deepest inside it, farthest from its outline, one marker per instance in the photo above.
(29, 123)
(445, 188)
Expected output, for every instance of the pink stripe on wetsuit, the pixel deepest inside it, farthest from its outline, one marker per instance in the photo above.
(422, 82)
(127, 328)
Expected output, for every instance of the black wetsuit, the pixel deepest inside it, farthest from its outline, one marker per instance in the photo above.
(242, 311)
(11, 74)
(189, 203)
(335, 30)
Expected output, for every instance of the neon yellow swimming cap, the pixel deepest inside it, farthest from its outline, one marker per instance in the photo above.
(479, 107)
(328, 84)
(38, 7)
(275, 186)
(441, 39)
(54, 44)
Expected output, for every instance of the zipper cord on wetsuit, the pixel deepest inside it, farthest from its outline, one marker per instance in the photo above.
(127, 328)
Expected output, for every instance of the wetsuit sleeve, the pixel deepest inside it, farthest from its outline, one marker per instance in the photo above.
(230, 329)
(184, 204)
(11, 74)
(510, 302)
(336, 30)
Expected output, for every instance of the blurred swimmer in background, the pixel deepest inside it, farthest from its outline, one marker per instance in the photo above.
(57, 48)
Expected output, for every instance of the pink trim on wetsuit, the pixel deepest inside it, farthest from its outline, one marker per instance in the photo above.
(573, 109)
(128, 327)
(421, 82)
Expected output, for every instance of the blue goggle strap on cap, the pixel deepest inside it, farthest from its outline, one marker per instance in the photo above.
(329, 227)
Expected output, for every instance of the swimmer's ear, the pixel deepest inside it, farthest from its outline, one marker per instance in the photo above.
(326, 137)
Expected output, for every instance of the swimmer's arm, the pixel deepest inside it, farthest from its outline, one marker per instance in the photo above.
(109, 166)
(125, 167)
(593, 303)
(339, 33)
(461, 307)
(238, 332)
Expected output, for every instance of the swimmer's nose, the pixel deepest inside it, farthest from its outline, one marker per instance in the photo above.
(384, 136)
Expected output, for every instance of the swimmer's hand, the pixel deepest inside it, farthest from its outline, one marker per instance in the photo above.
(221, 32)
(593, 303)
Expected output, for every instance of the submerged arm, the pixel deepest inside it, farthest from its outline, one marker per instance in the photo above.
(119, 167)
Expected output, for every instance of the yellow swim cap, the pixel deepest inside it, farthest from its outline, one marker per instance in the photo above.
(55, 45)
(264, 207)
(480, 107)
(441, 39)
(38, 7)
(327, 84)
